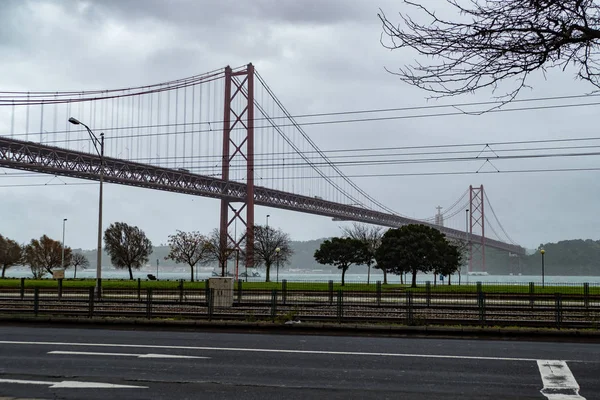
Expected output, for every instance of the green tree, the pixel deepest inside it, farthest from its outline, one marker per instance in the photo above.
(451, 260)
(11, 254)
(342, 253)
(266, 242)
(411, 248)
(370, 235)
(79, 260)
(44, 255)
(127, 246)
(189, 248)
(491, 41)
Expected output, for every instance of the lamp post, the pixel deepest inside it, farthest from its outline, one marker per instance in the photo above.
(97, 142)
(277, 250)
(62, 263)
(542, 252)
(237, 250)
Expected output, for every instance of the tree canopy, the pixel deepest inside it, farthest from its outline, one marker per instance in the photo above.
(10, 253)
(189, 248)
(44, 255)
(416, 248)
(342, 253)
(266, 242)
(490, 41)
(127, 246)
(370, 235)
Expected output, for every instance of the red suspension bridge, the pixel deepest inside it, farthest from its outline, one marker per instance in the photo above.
(223, 134)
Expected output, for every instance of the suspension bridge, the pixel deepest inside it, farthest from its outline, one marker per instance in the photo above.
(222, 134)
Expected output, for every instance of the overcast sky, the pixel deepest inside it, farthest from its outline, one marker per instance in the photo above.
(318, 56)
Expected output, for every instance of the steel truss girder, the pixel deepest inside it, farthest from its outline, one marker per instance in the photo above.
(30, 156)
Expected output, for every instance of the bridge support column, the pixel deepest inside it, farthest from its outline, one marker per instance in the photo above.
(477, 227)
(239, 91)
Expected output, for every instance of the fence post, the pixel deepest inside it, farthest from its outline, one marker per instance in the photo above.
(378, 293)
(479, 288)
(181, 290)
(558, 303)
(531, 294)
(60, 288)
(210, 303)
(91, 302)
(207, 291)
(340, 305)
(139, 289)
(239, 291)
(586, 294)
(481, 304)
(409, 308)
(273, 303)
(149, 303)
(36, 301)
(330, 286)
(284, 291)
(22, 288)
(428, 293)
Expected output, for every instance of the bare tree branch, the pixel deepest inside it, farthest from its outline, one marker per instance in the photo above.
(496, 40)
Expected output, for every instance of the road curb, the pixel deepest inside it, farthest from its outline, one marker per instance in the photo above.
(315, 328)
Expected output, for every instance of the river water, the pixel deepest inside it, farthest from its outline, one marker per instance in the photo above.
(313, 276)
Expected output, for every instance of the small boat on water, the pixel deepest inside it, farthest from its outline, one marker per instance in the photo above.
(251, 274)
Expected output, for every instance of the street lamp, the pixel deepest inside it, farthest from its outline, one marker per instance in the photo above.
(542, 251)
(62, 263)
(277, 250)
(237, 250)
(97, 142)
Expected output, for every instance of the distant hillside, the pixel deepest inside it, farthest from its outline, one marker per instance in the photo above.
(569, 257)
(302, 258)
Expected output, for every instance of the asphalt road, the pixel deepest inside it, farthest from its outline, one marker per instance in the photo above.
(66, 363)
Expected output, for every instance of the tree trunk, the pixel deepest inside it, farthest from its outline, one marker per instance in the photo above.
(414, 278)
(434, 278)
(223, 268)
(130, 273)
(343, 275)
(449, 277)
(268, 268)
(74, 274)
(3, 270)
(402, 278)
(384, 276)
(459, 277)
(192, 270)
(368, 273)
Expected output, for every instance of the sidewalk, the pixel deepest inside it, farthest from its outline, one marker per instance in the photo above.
(316, 328)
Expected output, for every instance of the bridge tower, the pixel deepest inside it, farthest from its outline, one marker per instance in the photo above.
(238, 112)
(477, 227)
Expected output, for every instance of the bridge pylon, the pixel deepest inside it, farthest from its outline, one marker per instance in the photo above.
(476, 227)
(238, 112)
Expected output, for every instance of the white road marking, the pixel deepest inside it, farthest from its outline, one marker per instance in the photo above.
(288, 351)
(73, 384)
(559, 382)
(89, 353)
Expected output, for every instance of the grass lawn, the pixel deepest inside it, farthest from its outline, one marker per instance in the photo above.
(306, 286)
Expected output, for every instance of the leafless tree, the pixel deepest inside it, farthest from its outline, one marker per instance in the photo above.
(491, 41)
(371, 235)
(217, 252)
(11, 253)
(266, 242)
(79, 260)
(189, 248)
